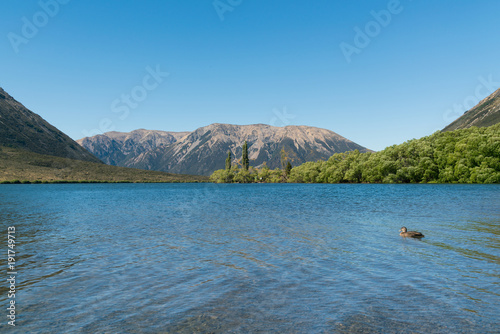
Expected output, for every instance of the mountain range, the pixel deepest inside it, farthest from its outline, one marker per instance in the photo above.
(198, 152)
(485, 113)
(204, 150)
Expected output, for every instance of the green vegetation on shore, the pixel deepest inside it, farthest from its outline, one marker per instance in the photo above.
(461, 156)
(21, 166)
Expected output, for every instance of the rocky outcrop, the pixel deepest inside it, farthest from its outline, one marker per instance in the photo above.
(120, 148)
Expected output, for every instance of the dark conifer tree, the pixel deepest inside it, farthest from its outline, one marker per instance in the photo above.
(288, 168)
(228, 160)
(245, 162)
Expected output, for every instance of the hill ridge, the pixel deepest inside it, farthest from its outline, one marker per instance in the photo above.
(24, 129)
(485, 113)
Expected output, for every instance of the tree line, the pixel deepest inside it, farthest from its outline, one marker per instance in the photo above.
(461, 156)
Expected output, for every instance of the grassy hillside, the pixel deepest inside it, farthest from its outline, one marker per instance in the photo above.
(24, 166)
(461, 156)
(486, 113)
(23, 129)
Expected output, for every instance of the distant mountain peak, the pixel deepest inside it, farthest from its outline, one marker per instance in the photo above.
(204, 150)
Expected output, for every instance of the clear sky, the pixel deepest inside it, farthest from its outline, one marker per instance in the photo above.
(376, 72)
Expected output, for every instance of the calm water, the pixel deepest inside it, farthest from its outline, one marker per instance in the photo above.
(204, 258)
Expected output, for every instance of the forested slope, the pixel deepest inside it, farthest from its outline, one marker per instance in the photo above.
(461, 156)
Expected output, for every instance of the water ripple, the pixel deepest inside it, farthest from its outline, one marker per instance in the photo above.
(255, 258)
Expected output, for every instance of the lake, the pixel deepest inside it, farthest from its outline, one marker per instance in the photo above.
(259, 258)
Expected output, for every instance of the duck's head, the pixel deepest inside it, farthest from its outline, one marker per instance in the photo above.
(403, 229)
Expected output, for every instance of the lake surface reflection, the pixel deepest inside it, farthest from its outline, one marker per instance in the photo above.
(205, 258)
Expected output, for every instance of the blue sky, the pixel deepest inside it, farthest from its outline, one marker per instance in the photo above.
(92, 66)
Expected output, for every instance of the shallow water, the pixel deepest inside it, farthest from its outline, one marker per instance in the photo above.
(205, 258)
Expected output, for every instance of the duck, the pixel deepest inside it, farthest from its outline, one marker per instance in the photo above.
(412, 234)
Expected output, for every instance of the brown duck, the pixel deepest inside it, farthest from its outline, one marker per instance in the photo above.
(412, 234)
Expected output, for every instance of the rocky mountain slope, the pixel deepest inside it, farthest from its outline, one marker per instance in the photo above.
(118, 148)
(22, 128)
(205, 149)
(486, 113)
